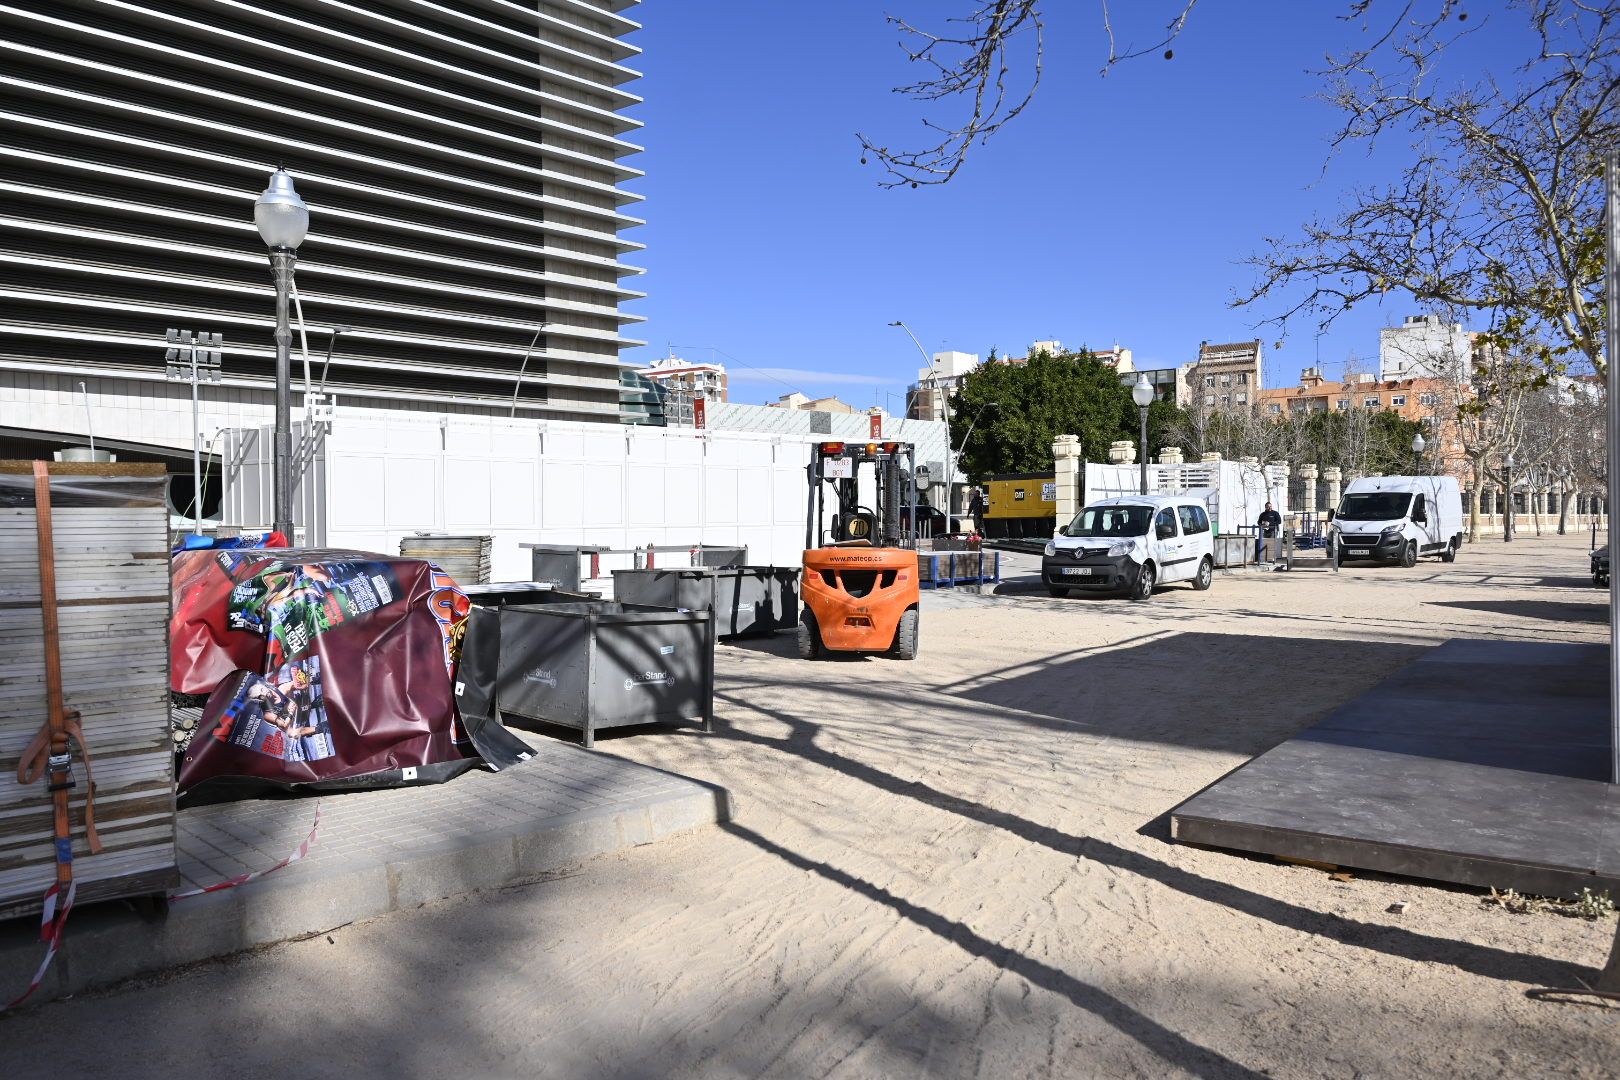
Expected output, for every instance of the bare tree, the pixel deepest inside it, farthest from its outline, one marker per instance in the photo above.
(1498, 210)
(988, 61)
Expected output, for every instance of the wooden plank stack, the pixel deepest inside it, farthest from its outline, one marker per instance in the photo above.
(112, 576)
(465, 558)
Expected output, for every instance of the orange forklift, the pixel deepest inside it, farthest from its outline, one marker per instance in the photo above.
(860, 568)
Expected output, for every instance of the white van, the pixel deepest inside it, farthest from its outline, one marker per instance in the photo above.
(1130, 544)
(1398, 518)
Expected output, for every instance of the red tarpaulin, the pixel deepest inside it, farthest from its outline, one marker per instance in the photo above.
(320, 666)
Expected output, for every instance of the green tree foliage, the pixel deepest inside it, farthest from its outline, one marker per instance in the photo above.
(1072, 393)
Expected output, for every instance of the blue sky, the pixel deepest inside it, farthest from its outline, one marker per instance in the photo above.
(1114, 209)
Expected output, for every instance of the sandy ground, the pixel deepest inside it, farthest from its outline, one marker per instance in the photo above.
(955, 867)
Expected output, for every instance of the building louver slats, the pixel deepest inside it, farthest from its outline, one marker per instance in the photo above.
(462, 161)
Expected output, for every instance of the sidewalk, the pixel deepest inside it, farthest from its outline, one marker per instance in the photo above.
(376, 852)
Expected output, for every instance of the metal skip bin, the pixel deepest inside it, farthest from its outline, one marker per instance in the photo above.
(744, 599)
(603, 664)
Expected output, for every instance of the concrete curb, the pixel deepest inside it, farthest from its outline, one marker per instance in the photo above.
(110, 943)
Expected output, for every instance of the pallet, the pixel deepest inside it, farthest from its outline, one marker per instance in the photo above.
(110, 525)
(947, 569)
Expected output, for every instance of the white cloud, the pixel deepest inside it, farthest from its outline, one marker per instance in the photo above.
(799, 376)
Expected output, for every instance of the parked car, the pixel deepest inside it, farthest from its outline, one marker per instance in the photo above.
(1395, 519)
(1132, 544)
(1600, 567)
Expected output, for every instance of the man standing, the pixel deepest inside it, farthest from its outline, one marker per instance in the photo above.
(1270, 521)
(976, 508)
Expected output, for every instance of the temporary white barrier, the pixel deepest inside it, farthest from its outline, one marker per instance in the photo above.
(379, 476)
(1236, 492)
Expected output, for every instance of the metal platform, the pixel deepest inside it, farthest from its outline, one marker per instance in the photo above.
(1482, 763)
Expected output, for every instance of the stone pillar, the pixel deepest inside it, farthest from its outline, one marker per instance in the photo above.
(1208, 458)
(1307, 502)
(1070, 477)
(1122, 452)
(1333, 476)
(1170, 455)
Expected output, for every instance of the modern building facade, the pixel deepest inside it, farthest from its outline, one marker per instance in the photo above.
(927, 396)
(463, 162)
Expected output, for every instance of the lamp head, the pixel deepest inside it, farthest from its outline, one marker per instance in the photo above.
(1142, 392)
(281, 216)
(1418, 443)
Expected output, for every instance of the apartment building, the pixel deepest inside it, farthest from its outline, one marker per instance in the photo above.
(1225, 376)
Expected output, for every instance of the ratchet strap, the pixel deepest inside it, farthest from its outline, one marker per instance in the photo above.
(49, 753)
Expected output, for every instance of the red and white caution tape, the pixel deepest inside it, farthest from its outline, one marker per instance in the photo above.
(53, 922)
(243, 879)
(51, 926)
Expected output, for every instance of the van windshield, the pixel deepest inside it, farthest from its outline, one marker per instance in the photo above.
(1110, 521)
(1375, 505)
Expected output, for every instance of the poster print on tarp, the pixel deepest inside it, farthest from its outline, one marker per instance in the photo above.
(292, 604)
(281, 715)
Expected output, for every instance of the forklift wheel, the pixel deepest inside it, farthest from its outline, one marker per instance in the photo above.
(905, 636)
(809, 637)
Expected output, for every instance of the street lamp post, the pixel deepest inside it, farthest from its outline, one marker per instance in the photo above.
(1417, 448)
(1507, 520)
(945, 410)
(283, 221)
(1142, 394)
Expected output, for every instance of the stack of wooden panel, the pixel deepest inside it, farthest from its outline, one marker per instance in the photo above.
(112, 584)
(464, 558)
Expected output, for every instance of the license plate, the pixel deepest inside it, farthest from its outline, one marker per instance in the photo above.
(1359, 551)
(1077, 570)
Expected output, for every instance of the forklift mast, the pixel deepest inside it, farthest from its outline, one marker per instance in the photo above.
(840, 466)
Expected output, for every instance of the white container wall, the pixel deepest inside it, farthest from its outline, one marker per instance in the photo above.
(378, 477)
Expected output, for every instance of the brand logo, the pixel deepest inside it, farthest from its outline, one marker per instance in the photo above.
(649, 678)
(541, 675)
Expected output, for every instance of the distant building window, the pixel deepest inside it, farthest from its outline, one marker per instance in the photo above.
(1209, 380)
(1276, 408)
(1242, 399)
(1371, 402)
(1226, 399)
(1428, 399)
(1398, 400)
(1226, 380)
(1243, 378)
(1344, 403)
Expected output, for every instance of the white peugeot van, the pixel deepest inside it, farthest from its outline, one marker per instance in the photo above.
(1130, 544)
(1398, 518)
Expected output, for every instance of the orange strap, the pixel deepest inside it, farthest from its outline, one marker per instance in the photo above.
(51, 745)
(36, 757)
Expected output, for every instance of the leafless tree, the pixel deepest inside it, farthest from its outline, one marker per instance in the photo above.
(1498, 211)
(988, 62)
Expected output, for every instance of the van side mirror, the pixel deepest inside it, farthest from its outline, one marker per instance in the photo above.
(1421, 516)
(1330, 515)
(1166, 532)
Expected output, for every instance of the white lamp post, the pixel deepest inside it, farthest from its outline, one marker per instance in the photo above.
(945, 408)
(1142, 394)
(283, 221)
(1417, 447)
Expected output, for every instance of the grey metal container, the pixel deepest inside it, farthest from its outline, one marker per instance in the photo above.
(603, 664)
(1233, 550)
(559, 564)
(744, 599)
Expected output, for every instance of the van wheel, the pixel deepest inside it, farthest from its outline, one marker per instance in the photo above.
(1057, 591)
(1450, 554)
(1206, 574)
(1145, 580)
(905, 636)
(809, 636)
(1409, 553)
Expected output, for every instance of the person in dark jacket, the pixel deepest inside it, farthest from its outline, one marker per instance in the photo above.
(976, 508)
(1269, 521)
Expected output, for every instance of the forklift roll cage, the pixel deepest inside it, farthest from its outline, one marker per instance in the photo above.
(838, 465)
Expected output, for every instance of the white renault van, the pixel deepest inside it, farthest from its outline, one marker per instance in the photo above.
(1398, 518)
(1130, 544)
